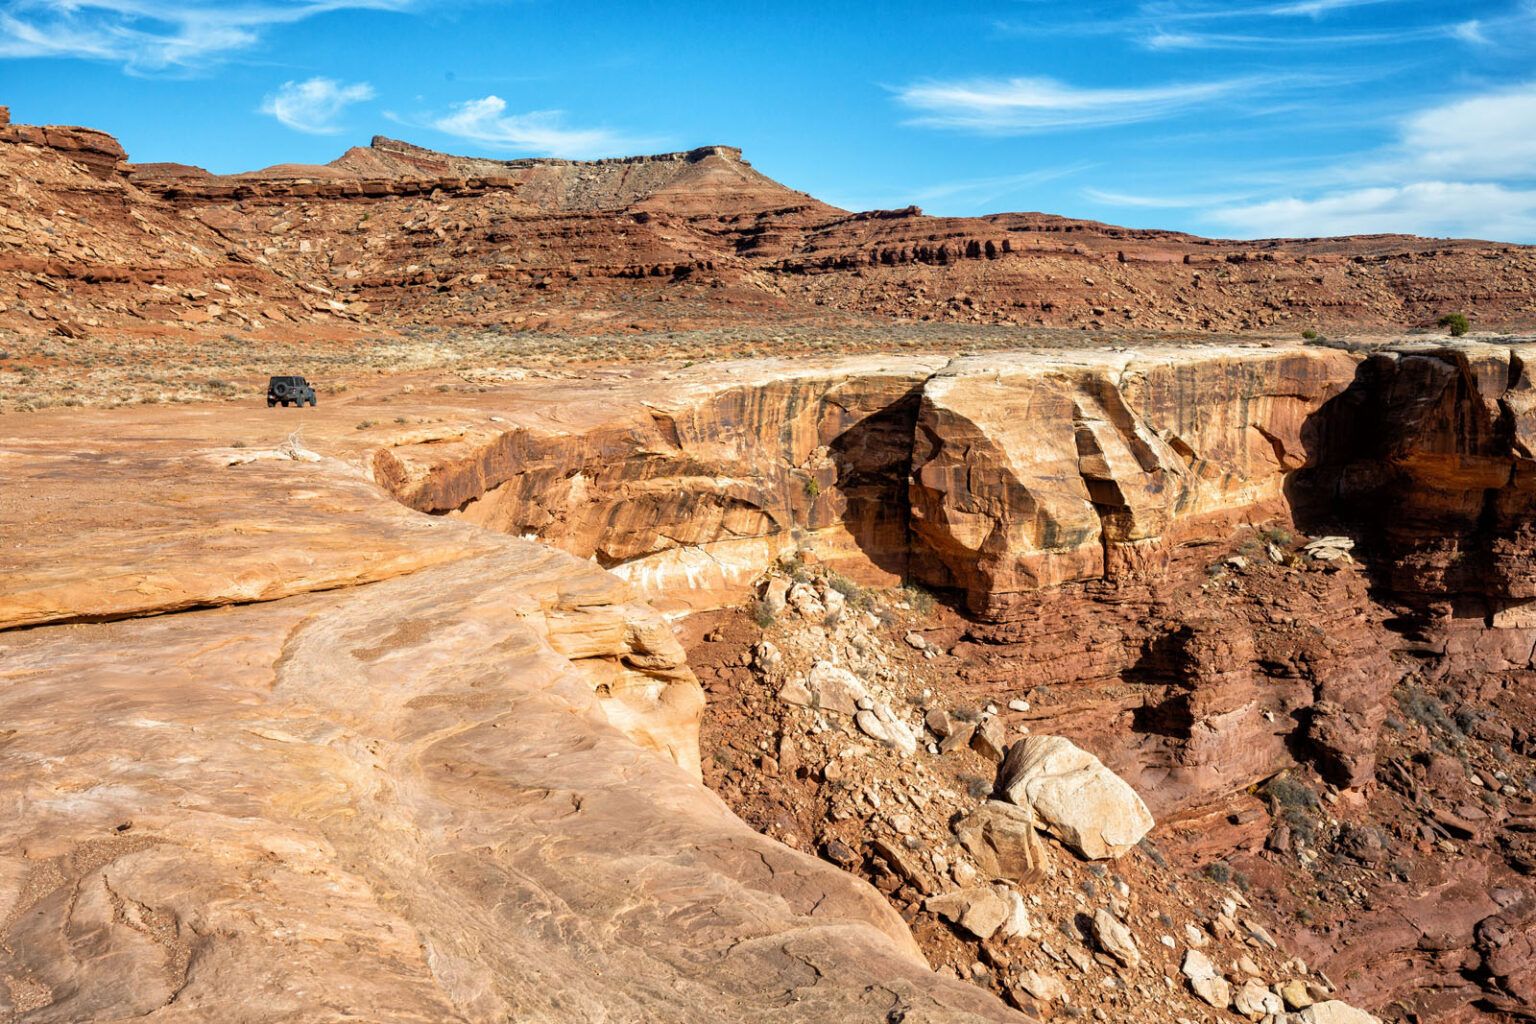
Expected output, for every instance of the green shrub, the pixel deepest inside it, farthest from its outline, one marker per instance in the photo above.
(1456, 323)
(921, 601)
(762, 613)
(1309, 334)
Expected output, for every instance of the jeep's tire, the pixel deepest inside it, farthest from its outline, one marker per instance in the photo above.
(311, 401)
(270, 403)
(280, 389)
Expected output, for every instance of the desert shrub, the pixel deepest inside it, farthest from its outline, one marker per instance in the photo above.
(1292, 801)
(977, 787)
(1218, 871)
(1309, 334)
(921, 601)
(1277, 535)
(1151, 852)
(1284, 792)
(857, 596)
(762, 613)
(1455, 323)
(1425, 709)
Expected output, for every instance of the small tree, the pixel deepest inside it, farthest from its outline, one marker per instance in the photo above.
(1456, 322)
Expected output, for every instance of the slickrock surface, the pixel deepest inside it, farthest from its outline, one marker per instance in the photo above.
(392, 234)
(418, 798)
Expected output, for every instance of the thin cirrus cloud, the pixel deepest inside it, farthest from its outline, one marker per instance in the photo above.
(538, 132)
(1018, 105)
(1164, 40)
(1195, 25)
(314, 106)
(154, 36)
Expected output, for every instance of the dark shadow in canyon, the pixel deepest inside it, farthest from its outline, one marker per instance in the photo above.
(874, 461)
(1417, 461)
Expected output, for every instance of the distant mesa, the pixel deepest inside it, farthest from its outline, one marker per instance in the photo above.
(693, 239)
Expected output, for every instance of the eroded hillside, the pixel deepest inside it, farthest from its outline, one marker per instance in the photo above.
(392, 234)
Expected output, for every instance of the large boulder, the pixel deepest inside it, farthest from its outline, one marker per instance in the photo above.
(1003, 841)
(1114, 938)
(1205, 980)
(980, 910)
(1073, 796)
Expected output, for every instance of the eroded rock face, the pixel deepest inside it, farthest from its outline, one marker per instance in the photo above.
(1068, 498)
(1441, 438)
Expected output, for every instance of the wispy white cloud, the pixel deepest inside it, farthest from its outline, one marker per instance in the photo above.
(981, 191)
(1017, 105)
(539, 132)
(1190, 202)
(1195, 10)
(1487, 136)
(1464, 167)
(313, 106)
(1217, 25)
(148, 36)
(1436, 208)
(1160, 39)
(1470, 32)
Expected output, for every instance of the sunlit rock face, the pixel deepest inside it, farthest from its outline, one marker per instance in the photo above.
(1030, 472)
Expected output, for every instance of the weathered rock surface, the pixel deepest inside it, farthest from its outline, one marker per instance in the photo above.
(1114, 938)
(980, 911)
(1073, 796)
(1029, 473)
(1335, 1011)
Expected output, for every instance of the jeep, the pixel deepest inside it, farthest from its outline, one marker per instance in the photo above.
(289, 389)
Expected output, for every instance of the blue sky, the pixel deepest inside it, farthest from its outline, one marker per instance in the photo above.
(1245, 118)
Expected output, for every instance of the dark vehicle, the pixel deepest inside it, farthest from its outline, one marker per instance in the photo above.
(289, 389)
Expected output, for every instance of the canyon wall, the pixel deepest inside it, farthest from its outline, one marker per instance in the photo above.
(1103, 520)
